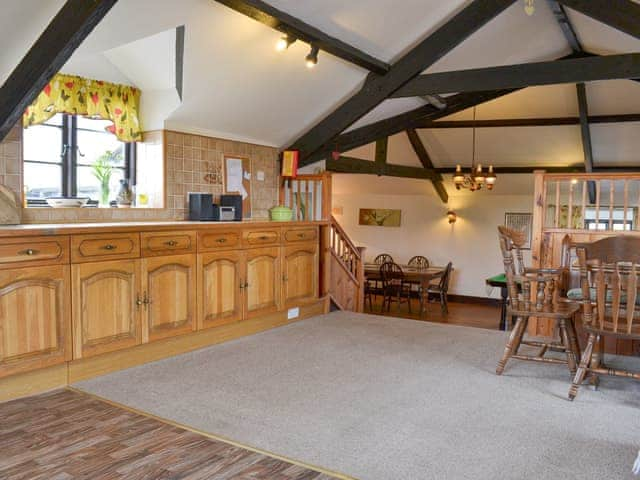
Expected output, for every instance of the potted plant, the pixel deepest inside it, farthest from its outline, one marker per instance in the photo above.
(102, 170)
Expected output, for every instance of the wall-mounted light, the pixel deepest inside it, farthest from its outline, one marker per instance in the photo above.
(451, 216)
(312, 58)
(284, 42)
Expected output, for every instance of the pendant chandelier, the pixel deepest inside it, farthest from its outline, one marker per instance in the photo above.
(476, 178)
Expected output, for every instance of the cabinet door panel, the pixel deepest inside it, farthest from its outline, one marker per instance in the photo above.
(34, 318)
(105, 309)
(169, 294)
(262, 292)
(300, 273)
(219, 288)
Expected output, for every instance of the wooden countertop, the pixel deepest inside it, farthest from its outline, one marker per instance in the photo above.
(123, 227)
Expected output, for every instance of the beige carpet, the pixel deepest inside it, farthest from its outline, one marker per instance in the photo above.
(384, 398)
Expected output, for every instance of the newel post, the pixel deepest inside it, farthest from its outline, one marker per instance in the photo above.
(361, 279)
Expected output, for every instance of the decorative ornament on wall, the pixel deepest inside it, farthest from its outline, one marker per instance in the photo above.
(213, 174)
(379, 217)
(521, 222)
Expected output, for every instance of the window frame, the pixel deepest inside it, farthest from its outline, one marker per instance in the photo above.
(69, 160)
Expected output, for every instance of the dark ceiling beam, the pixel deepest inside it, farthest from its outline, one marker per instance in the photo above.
(425, 159)
(585, 133)
(378, 88)
(528, 122)
(71, 25)
(533, 168)
(293, 27)
(565, 24)
(356, 165)
(398, 123)
(382, 145)
(571, 70)
(623, 15)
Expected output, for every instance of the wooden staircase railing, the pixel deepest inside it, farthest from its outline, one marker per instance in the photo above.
(346, 281)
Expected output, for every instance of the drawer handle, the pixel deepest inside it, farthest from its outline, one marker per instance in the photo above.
(263, 237)
(29, 251)
(301, 235)
(109, 246)
(221, 240)
(171, 243)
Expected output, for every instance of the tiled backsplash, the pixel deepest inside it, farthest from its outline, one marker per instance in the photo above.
(194, 164)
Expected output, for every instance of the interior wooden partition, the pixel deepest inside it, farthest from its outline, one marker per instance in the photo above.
(579, 208)
(341, 262)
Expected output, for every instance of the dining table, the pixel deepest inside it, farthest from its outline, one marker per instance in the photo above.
(419, 275)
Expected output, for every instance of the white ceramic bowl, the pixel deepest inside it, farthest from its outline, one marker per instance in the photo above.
(67, 202)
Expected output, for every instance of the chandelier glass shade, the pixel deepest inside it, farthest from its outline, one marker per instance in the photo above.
(476, 178)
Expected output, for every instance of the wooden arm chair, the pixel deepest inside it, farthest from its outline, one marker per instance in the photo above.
(383, 258)
(394, 286)
(609, 275)
(419, 262)
(522, 283)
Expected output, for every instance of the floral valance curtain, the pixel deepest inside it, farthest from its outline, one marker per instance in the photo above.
(91, 98)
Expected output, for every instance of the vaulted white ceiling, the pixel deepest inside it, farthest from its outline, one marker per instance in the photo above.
(237, 86)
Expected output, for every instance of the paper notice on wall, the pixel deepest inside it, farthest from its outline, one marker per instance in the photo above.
(234, 176)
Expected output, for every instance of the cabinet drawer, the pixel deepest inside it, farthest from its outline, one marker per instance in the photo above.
(253, 238)
(300, 234)
(33, 251)
(107, 246)
(167, 243)
(214, 241)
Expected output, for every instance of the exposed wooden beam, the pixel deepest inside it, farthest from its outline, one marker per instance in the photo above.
(533, 168)
(293, 27)
(71, 25)
(623, 15)
(565, 24)
(399, 123)
(381, 150)
(528, 122)
(378, 87)
(571, 70)
(356, 165)
(425, 159)
(585, 133)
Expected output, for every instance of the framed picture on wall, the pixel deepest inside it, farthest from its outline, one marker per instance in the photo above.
(521, 222)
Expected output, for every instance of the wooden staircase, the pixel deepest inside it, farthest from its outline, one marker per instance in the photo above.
(346, 268)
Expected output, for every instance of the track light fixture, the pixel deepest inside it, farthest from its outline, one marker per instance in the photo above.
(312, 58)
(284, 42)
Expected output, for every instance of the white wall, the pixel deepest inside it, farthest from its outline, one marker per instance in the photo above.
(471, 243)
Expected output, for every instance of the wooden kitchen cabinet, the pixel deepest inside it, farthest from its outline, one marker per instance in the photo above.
(263, 284)
(168, 296)
(221, 281)
(106, 307)
(299, 273)
(35, 318)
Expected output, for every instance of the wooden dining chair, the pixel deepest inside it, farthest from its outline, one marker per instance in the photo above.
(441, 289)
(609, 277)
(375, 285)
(394, 286)
(419, 261)
(383, 258)
(522, 283)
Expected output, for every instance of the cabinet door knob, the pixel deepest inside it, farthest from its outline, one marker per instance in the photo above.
(241, 285)
(147, 299)
(138, 301)
(109, 246)
(285, 278)
(221, 240)
(28, 251)
(171, 243)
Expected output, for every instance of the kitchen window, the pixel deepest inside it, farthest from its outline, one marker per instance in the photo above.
(62, 157)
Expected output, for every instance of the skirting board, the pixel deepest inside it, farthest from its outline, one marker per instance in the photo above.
(39, 381)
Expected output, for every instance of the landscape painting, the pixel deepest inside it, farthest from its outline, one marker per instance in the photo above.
(379, 217)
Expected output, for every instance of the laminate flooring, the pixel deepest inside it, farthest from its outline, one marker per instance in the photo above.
(64, 435)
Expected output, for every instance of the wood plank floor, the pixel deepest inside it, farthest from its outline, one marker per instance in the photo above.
(467, 314)
(65, 435)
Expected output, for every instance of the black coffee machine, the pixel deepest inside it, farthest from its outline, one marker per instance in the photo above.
(235, 201)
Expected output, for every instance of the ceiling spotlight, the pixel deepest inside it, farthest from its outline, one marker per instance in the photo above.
(284, 42)
(312, 58)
